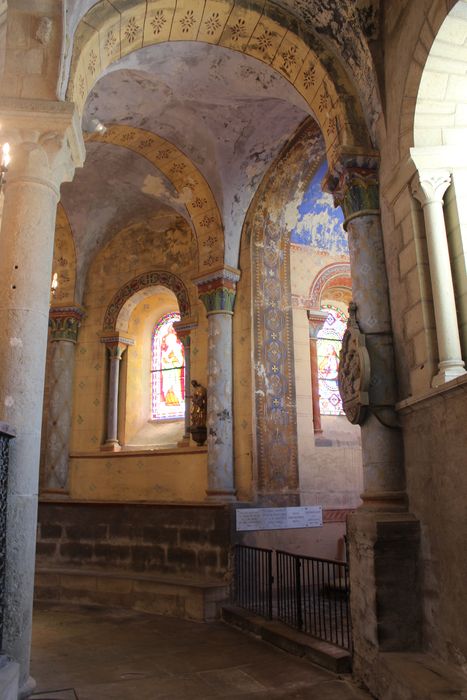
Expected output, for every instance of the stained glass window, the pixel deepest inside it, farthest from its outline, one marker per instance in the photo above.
(329, 343)
(167, 370)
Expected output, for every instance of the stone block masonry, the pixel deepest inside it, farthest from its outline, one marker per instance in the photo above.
(171, 559)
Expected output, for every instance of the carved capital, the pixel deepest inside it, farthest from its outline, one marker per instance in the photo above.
(354, 185)
(429, 186)
(116, 345)
(64, 323)
(354, 371)
(45, 138)
(217, 290)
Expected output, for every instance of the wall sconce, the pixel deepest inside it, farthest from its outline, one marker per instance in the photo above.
(4, 164)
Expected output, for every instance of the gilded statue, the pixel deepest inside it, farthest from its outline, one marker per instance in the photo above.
(198, 412)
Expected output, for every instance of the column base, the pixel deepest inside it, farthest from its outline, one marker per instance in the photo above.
(384, 588)
(448, 371)
(221, 495)
(51, 493)
(111, 446)
(184, 442)
(27, 688)
(9, 678)
(383, 502)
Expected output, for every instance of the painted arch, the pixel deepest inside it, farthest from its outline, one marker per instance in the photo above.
(187, 180)
(261, 30)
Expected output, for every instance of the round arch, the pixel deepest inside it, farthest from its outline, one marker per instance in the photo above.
(187, 180)
(137, 288)
(105, 35)
(334, 275)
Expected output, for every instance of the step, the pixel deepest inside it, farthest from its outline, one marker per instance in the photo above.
(189, 598)
(321, 653)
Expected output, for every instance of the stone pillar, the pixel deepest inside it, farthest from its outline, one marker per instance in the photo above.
(316, 318)
(383, 537)
(217, 292)
(64, 323)
(116, 345)
(46, 145)
(429, 187)
(183, 330)
(355, 189)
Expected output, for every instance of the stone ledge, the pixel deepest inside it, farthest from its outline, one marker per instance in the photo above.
(188, 598)
(412, 403)
(417, 676)
(294, 642)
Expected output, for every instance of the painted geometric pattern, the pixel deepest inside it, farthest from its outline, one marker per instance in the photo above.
(192, 187)
(167, 370)
(106, 34)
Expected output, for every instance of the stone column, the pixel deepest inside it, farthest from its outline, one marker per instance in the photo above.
(383, 537)
(183, 330)
(116, 345)
(64, 323)
(429, 187)
(217, 292)
(46, 145)
(355, 189)
(316, 318)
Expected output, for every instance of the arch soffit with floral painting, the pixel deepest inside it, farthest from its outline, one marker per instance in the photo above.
(148, 281)
(106, 34)
(334, 275)
(192, 188)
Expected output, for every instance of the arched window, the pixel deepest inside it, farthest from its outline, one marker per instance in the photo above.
(167, 370)
(329, 343)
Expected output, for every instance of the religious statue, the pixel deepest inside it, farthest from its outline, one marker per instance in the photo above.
(198, 428)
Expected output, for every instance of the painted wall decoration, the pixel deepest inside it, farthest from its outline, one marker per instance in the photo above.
(167, 370)
(320, 225)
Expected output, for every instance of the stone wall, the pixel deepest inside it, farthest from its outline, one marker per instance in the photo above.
(437, 483)
(191, 541)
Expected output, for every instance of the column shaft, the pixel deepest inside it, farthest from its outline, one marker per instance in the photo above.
(429, 190)
(315, 386)
(219, 413)
(26, 241)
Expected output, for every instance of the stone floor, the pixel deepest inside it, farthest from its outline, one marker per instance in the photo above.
(100, 655)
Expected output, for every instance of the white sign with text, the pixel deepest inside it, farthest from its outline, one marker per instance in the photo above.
(279, 518)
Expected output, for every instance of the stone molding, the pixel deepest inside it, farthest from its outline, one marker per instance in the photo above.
(316, 318)
(64, 322)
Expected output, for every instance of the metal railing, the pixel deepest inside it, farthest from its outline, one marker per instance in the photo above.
(253, 579)
(307, 593)
(313, 597)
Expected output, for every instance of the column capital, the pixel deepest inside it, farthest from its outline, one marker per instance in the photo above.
(429, 185)
(316, 318)
(217, 289)
(354, 185)
(64, 322)
(116, 344)
(46, 140)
